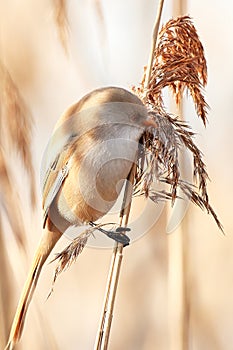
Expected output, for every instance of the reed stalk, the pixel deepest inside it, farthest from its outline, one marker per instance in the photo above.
(115, 267)
(103, 334)
(153, 43)
(177, 256)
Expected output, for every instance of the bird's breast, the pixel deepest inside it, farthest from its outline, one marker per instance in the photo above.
(97, 170)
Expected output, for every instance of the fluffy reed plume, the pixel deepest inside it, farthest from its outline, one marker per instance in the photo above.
(178, 63)
(62, 23)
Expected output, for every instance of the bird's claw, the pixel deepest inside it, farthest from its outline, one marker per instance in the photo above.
(119, 236)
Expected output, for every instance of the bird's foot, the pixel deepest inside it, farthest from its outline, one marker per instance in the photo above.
(118, 235)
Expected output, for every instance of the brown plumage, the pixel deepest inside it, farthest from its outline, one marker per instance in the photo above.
(92, 149)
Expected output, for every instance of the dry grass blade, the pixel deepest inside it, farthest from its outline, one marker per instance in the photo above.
(179, 63)
(16, 124)
(62, 23)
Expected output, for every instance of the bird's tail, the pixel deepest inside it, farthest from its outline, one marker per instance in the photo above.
(48, 241)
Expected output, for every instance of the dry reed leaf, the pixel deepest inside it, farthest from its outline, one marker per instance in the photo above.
(61, 20)
(17, 121)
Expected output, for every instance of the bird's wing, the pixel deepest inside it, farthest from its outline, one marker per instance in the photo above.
(55, 176)
(53, 182)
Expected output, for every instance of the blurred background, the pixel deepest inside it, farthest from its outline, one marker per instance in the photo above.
(175, 288)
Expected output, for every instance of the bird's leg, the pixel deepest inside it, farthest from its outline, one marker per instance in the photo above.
(118, 235)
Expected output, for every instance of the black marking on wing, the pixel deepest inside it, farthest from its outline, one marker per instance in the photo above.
(62, 174)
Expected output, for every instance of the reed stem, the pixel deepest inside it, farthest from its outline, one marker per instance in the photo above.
(177, 262)
(153, 44)
(103, 334)
(114, 271)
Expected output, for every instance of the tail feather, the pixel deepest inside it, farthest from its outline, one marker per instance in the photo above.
(47, 243)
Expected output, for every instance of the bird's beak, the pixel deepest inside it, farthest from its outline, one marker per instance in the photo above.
(149, 122)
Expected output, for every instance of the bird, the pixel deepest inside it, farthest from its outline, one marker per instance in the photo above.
(87, 159)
